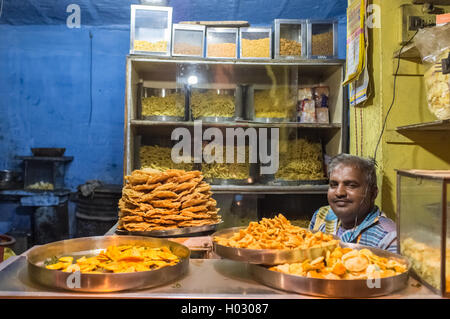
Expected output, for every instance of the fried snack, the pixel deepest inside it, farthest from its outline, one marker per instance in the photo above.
(322, 44)
(118, 259)
(142, 45)
(170, 105)
(300, 160)
(211, 104)
(438, 89)
(187, 49)
(276, 233)
(222, 50)
(290, 47)
(345, 263)
(160, 158)
(278, 102)
(225, 170)
(258, 48)
(180, 199)
(426, 261)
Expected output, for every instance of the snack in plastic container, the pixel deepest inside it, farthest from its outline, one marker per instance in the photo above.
(434, 47)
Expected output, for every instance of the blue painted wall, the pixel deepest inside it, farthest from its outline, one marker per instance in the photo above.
(62, 87)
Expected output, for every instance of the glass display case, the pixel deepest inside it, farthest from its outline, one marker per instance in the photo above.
(188, 40)
(150, 30)
(422, 225)
(322, 39)
(222, 43)
(255, 43)
(290, 39)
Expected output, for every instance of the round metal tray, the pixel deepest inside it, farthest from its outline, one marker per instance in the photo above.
(342, 288)
(215, 119)
(265, 256)
(223, 181)
(166, 118)
(176, 232)
(282, 182)
(270, 119)
(108, 282)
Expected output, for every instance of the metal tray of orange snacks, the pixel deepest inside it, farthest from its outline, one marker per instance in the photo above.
(107, 263)
(272, 242)
(349, 271)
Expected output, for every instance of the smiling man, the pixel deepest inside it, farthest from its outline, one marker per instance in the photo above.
(352, 214)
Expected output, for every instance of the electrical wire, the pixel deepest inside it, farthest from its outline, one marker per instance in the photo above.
(393, 93)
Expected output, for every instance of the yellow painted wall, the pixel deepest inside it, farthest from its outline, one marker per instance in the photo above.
(422, 150)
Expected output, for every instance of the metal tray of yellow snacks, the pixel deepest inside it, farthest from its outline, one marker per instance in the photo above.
(349, 271)
(107, 263)
(272, 242)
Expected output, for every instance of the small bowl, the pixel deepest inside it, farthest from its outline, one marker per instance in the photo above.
(48, 152)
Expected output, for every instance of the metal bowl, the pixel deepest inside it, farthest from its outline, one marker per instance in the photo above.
(266, 256)
(340, 288)
(107, 282)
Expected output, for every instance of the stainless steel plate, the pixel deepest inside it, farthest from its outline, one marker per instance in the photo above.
(224, 181)
(265, 256)
(215, 119)
(356, 288)
(177, 232)
(165, 118)
(281, 182)
(270, 119)
(107, 282)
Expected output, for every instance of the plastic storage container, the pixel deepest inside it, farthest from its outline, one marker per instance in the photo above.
(322, 39)
(150, 30)
(255, 43)
(422, 225)
(188, 40)
(290, 39)
(222, 43)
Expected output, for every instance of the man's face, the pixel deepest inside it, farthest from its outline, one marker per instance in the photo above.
(349, 195)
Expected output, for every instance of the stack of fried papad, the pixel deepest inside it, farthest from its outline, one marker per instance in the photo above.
(163, 200)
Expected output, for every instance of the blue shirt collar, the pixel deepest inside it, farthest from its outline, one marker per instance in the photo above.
(351, 234)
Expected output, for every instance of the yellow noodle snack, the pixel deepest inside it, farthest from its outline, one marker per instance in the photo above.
(300, 160)
(170, 105)
(228, 170)
(276, 233)
(154, 200)
(211, 104)
(274, 103)
(160, 158)
(118, 259)
(259, 48)
(345, 263)
(142, 45)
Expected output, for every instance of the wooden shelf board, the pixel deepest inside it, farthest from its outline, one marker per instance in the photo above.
(439, 125)
(147, 123)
